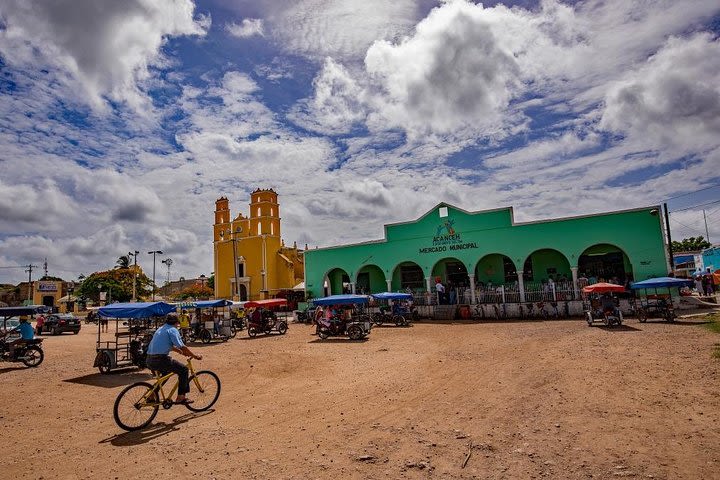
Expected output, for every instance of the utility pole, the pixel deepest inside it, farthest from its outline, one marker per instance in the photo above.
(29, 270)
(707, 234)
(45, 264)
(135, 254)
(669, 239)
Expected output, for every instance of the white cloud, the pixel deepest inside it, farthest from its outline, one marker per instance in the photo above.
(249, 27)
(106, 46)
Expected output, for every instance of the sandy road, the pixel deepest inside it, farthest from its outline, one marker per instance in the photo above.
(551, 399)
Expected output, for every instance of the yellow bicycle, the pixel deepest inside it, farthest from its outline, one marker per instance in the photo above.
(137, 404)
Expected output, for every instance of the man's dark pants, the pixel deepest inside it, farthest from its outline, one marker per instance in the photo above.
(165, 364)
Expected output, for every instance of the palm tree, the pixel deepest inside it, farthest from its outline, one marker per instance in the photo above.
(123, 261)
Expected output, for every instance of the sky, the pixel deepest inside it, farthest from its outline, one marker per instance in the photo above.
(121, 123)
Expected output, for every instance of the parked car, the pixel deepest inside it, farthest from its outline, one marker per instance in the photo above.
(58, 323)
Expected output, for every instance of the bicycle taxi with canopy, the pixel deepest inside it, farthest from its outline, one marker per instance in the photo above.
(600, 305)
(659, 303)
(263, 318)
(343, 315)
(213, 320)
(399, 313)
(127, 345)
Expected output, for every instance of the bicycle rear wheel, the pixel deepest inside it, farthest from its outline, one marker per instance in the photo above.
(136, 406)
(204, 390)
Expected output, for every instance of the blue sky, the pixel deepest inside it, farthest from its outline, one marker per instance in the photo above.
(121, 124)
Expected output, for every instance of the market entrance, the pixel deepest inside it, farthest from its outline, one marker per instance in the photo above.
(454, 276)
(337, 282)
(604, 263)
(370, 279)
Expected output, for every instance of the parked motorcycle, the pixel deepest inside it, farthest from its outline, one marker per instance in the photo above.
(28, 352)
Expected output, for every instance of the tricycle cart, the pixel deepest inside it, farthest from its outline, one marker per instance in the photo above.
(263, 319)
(343, 316)
(659, 303)
(600, 305)
(127, 345)
(400, 312)
(212, 322)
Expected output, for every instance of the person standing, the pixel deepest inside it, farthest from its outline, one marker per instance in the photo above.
(440, 289)
(167, 339)
(39, 324)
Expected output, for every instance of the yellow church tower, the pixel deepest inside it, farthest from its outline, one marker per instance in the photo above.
(251, 259)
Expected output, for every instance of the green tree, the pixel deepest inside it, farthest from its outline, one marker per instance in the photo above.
(211, 282)
(691, 244)
(123, 261)
(196, 291)
(117, 283)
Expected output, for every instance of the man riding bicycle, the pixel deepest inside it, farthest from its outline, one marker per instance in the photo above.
(165, 339)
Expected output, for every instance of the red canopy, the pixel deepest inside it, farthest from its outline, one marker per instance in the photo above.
(603, 288)
(272, 302)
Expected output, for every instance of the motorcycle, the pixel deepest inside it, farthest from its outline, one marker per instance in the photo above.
(28, 352)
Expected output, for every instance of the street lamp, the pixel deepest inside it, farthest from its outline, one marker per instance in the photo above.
(154, 253)
(135, 254)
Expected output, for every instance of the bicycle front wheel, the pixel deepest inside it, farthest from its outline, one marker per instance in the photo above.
(204, 390)
(136, 406)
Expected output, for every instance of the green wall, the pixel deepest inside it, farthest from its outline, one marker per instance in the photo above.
(637, 233)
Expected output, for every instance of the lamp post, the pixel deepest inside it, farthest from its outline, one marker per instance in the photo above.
(135, 254)
(154, 253)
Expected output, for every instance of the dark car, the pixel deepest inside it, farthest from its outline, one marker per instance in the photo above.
(58, 323)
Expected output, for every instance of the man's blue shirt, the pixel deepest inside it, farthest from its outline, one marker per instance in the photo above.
(26, 331)
(164, 339)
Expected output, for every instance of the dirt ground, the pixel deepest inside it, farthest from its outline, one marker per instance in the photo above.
(554, 399)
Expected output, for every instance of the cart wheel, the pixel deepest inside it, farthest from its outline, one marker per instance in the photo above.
(606, 321)
(204, 389)
(252, 332)
(670, 316)
(398, 320)
(55, 331)
(588, 318)
(33, 356)
(205, 336)
(104, 363)
(355, 332)
(323, 333)
(136, 406)
(282, 328)
(642, 315)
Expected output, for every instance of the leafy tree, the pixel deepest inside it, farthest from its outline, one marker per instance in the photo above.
(691, 244)
(196, 291)
(123, 261)
(211, 282)
(117, 282)
(49, 278)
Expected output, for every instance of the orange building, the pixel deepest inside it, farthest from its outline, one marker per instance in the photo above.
(251, 259)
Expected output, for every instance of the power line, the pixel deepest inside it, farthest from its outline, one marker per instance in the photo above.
(687, 226)
(695, 206)
(690, 193)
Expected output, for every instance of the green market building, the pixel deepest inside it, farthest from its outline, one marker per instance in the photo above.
(487, 251)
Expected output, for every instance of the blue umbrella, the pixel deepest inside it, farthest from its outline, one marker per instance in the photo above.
(662, 282)
(392, 296)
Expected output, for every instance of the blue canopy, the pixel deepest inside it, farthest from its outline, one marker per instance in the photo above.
(341, 299)
(662, 282)
(392, 296)
(204, 304)
(136, 310)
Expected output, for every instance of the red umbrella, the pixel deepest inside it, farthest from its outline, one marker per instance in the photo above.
(603, 288)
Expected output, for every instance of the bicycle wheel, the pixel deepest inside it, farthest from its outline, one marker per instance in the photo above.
(136, 406)
(204, 390)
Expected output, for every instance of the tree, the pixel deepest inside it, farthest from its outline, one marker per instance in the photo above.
(123, 261)
(117, 282)
(196, 291)
(211, 282)
(691, 244)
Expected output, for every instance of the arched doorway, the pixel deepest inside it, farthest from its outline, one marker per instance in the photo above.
(545, 264)
(338, 282)
(408, 275)
(370, 279)
(453, 274)
(605, 262)
(491, 272)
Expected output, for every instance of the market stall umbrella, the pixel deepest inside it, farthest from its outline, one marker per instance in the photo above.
(603, 288)
(392, 296)
(136, 310)
(662, 282)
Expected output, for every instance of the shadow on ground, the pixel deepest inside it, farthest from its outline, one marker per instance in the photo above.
(115, 379)
(153, 431)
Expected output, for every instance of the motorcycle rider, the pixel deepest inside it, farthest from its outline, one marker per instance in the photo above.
(27, 332)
